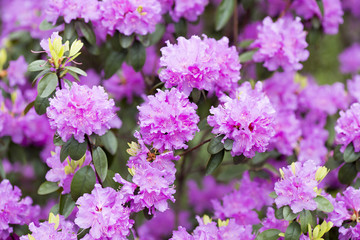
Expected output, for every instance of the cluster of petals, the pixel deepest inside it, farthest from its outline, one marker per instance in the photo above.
(63, 172)
(350, 59)
(296, 187)
(188, 9)
(281, 44)
(13, 209)
(353, 86)
(81, 110)
(211, 230)
(16, 72)
(346, 208)
(204, 64)
(332, 16)
(347, 127)
(103, 211)
(353, 6)
(168, 120)
(63, 231)
(247, 119)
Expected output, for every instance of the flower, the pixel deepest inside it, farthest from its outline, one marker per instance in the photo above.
(350, 59)
(297, 186)
(247, 119)
(332, 16)
(281, 44)
(102, 210)
(14, 210)
(16, 72)
(347, 128)
(353, 88)
(81, 110)
(188, 9)
(203, 64)
(168, 120)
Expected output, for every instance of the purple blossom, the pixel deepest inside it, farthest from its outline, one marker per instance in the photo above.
(203, 64)
(188, 9)
(353, 86)
(348, 128)
(296, 188)
(81, 110)
(168, 120)
(247, 119)
(14, 210)
(306, 8)
(16, 72)
(332, 16)
(249, 32)
(126, 84)
(130, 16)
(350, 59)
(272, 222)
(281, 44)
(353, 6)
(102, 210)
(63, 172)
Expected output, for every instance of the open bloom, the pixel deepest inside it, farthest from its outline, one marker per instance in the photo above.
(168, 120)
(81, 110)
(281, 44)
(247, 119)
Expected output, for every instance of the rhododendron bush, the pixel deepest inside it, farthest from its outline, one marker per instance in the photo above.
(179, 119)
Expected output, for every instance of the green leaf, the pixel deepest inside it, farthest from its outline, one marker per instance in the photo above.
(270, 234)
(240, 159)
(109, 181)
(181, 28)
(245, 43)
(74, 149)
(306, 217)
(126, 41)
(38, 65)
(144, 39)
(68, 82)
(321, 6)
(70, 32)
(47, 85)
(215, 145)
(323, 204)
(45, 25)
(350, 155)
(279, 213)
(109, 141)
(113, 63)
(87, 31)
(28, 107)
(76, 70)
(247, 56)
(273, 195)
(66, 205)
(55, 209)
(228, 144)
(100, 162)
(41, 104)
(223, 13)
(156, 36)
(47, 187)
(357, 166)
(293, 231)
(195, 95)
(347, 173)
(42, 73)
(2, 171)
(82, 232)
(136, 56)
(288, 214)
(214, 161)
(57, 140)
(83, 182)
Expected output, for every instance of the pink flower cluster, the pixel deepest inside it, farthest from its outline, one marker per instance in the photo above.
(205, 64)
(81, 110)
(281, 44)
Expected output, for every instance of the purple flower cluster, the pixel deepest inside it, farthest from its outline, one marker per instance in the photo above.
(14, 210)
(347, 208)
(208, 229)
(247, 119)
(296, 187)
(188, 9)
(16, 72)
(348, 128)
(350, 59)
(81, 110)
(281, 44)
(168, 120)
(103, 211)
(332, 16)
(203, 64)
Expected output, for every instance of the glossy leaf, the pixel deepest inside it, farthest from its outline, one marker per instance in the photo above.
(247, 56)
(38, 65)
(83, 182)
(323, 204)
(270, 234)
(47, 85)
(87, 31)
(66, 205)
(214, 162)
(126, 41)
(136, 56)
(74, 149)
(100, 162)
(347, 173)
(48, 187)
(215, 145)
(113, 63)
(41, 104)
(224, 13)
(288, 214)
(109, 141)
(350, 155)
(29, 107)
(293, 231)
(76, 70)
(306, 217)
